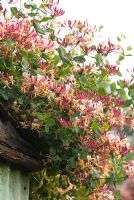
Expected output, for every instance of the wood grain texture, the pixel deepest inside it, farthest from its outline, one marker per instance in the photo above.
(14, 183)
(14, 148)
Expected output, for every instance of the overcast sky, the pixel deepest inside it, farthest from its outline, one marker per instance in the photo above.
(116, 16)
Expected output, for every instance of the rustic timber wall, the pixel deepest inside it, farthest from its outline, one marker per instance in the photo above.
(14, 183)
(18, 158)
(14, 148)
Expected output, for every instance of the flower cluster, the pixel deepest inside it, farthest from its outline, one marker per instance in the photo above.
(129, 168)
(15, 36)
(107, 195)
(108, 48)
(54, 80)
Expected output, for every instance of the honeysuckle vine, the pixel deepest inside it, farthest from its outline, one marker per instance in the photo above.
(56, 80)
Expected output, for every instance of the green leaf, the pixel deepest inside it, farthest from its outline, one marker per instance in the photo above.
(46, 129)
(113, 87)
(40, 116)
(101, 27)
(38, 29)
(129, 48)
(2, 64)
(32, 14)
(128, 55)
(123, 36)
(34, 6)
(79, 59)
(43, 116)
(117, 195)
(49, 30)
(14, 11)
(26, 5)
(65, 138)
(128, 102)
(4, 94)
(45, 19)
(102, 91)
(118, 39)
(106, 126)
(43, 6)
(82, 193)
(72, 162)
(96, 175)
(98, 58)
(64, 56)
(107, 62)
(75, 129)
(119, 74)
(50, 121)
(95, 126)
(121, 83)
(8, 43)
(7, 94)
(122, 94)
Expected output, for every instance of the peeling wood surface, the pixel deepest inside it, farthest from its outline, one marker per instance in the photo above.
(16, 149)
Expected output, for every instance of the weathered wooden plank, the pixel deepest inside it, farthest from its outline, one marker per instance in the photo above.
(14, 183)
(10, 137)
(19, 158)
(16, 149)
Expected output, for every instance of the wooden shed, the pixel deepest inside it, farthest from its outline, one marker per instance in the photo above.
(19, 156)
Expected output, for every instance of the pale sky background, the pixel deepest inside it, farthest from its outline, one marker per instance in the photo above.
(116, 16)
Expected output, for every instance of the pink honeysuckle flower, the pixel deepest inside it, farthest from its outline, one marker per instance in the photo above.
(105, 193)
(57, 88)
(65, 123)
(125, 149)
(69, 23)
(52, 2)
(113, 47)
(118, 101)
(117, 113)
(112, 69)
(119, 142)
(44, 65)
(23, 35)
(48, 45)
(26, 75)
(126, 82)
(83, 95)
(1, 75)
(54, 11)
(129, 121)
(129, 168)
(67, 88)
(104, 187)
(40, 78)
(1, 8)
(33, 79)
(106, 100)
(69, 40)
(91, 144)
(12, 1)
(53, 85)
(108, 48)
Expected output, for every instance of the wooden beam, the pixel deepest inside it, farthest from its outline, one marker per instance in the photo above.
(15, 149)
(20, 159)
